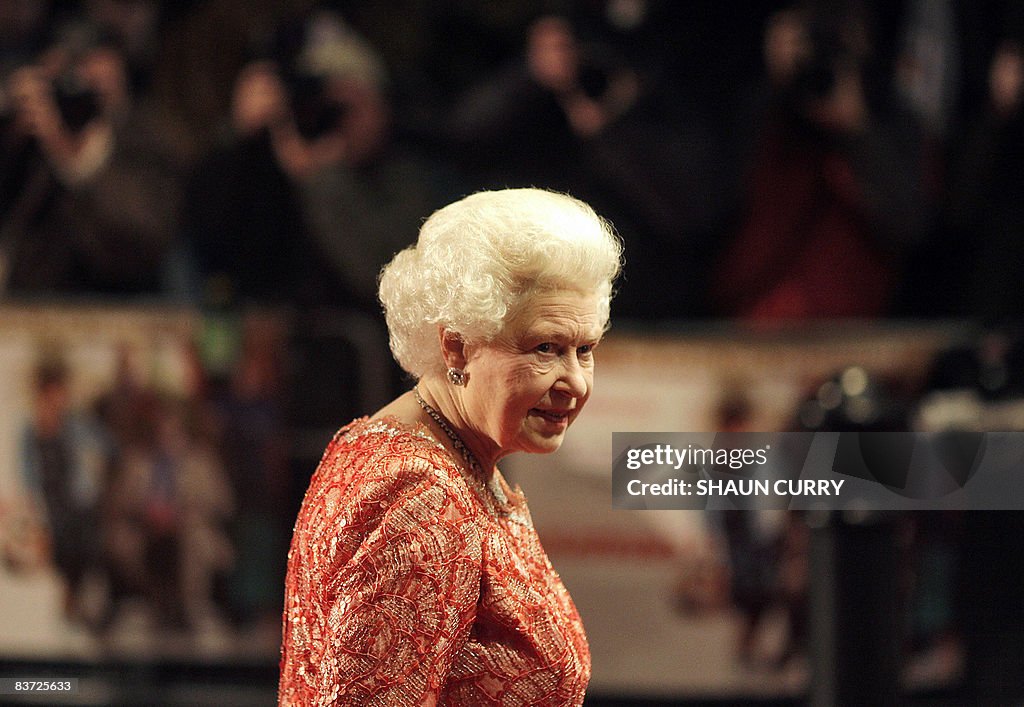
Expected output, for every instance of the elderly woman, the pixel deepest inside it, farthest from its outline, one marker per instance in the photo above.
(415, 576)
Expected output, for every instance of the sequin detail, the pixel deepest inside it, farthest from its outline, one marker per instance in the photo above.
(403, 585)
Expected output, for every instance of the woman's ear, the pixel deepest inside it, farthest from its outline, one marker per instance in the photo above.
(453, 348)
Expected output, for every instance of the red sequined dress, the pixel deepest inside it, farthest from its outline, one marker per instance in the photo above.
(406, 583)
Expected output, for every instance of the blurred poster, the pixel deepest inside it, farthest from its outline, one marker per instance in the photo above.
(141, 466)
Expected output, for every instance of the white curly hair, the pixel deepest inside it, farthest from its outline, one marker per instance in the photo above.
(479, 259)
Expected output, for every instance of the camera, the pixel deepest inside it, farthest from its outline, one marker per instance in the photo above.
(77, 102)
(828, 51)
(314, 112)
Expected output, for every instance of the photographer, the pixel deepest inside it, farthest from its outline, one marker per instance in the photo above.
(533, 120)
(311, 194)
(93, 194)
(570, 112)
(832, 194)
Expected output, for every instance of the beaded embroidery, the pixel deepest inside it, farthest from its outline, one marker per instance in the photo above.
(402, 584)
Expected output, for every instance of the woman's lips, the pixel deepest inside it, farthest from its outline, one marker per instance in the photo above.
(553, 416)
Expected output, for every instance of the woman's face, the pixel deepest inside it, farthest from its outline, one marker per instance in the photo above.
(527, 386)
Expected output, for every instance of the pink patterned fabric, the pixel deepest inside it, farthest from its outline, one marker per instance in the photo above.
(405, 587)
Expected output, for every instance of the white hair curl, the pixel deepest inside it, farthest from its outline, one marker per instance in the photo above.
(477, 260)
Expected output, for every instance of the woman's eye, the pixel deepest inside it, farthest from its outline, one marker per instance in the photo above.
(585, 350)
(546, 348)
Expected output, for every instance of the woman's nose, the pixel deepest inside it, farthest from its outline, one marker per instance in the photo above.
(574, 379)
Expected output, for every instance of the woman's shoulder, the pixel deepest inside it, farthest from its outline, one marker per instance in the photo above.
(389, 438)
(383, 503)
(382, 425)
(383, 459)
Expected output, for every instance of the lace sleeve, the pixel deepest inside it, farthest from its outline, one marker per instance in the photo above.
(383, 582)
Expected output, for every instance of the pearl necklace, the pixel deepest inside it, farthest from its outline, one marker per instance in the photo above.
(492, 487)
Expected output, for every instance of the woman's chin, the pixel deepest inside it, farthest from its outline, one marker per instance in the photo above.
(543, 436)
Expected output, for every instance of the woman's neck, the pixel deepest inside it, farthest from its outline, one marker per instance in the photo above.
(443, 399)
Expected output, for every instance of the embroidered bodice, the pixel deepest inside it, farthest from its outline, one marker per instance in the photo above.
(405, 585)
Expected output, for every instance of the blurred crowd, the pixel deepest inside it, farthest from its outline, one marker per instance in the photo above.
(765, 161)
(171, 502)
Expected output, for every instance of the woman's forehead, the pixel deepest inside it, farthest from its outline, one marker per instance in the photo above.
(567, 312)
